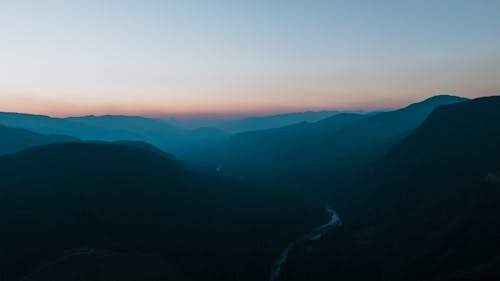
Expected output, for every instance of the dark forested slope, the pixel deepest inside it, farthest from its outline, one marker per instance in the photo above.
(299, 155)
(427, 211)
(129, 199)
(14, 140)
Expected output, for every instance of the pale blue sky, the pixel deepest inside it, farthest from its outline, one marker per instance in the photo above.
(192, 57)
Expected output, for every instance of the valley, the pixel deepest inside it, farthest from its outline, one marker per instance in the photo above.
(428, 187)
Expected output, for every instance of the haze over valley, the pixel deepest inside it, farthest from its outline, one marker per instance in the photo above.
(259, 141)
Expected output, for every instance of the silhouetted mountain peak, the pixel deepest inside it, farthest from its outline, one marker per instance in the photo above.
(437, 100)
(429, 209)
(469, 125)
(443, 97)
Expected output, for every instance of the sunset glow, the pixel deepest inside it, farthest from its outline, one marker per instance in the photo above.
(242, 57)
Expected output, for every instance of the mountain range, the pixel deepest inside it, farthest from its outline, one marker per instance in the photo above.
(427, 210)
(117, 128)
(414, 193)
(344, 142)
(235, 124)
(15, 140)
(131, 198)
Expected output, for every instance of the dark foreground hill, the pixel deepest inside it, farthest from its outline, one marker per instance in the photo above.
(110, 211)
(14, 140)
(428, 211)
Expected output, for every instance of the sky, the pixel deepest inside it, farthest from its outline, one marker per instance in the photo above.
(190, 58)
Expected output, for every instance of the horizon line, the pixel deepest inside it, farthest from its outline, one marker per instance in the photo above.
(249, 112)
(199, 115)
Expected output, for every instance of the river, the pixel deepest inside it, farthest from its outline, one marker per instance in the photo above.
(315, 234)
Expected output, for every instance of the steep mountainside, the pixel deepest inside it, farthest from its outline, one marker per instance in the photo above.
(277, 121)
(427, 211)
(299, 155)
(63, 202)
(117, 128)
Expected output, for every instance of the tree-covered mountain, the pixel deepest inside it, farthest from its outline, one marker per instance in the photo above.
(300, 154)
(63, 203)
(117, 128)
(257, 123)
(14, 140)
(427, 211)
(238, 124)
(418, 200)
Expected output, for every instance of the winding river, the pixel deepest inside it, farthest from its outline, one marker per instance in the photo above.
(315, 234)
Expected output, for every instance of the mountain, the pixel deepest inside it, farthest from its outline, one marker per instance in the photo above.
(14, 140)
(38, 123)
(283, 136)
(126, 124)
(428, 210)
(301, 153)
(106, 128)
(276, 121)
(192, 123)
(238, 124)
(116, 128)
(395, 123)
(110, 210)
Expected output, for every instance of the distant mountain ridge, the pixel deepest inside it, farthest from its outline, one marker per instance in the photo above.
(236, 124)
(117, 128)
(299, 149)
(278, 120)
(14, 140)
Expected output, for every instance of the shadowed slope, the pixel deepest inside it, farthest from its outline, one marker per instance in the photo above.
(118, 128)
(427, 211)
(129, 198)
(14, 140)
(277, 121)
(298, 155)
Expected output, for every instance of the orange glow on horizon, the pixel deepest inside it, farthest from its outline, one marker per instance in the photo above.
(197, 107)
(162, 109)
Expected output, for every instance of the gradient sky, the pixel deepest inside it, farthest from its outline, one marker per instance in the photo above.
(204, 57)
